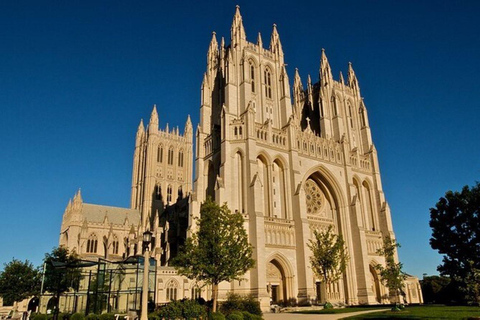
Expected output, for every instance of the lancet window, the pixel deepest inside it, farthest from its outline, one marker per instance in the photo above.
(92, 244)
(268, 84)
(252, 76)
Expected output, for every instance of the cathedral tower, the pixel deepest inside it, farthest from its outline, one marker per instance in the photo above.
(290, 168)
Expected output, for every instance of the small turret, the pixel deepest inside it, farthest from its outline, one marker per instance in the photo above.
(188, 128)
(340, 76)
(259, 40)
(352, 79)
(325, 70)
(153, 124)
(310, 91)
(140, 134)
(237, 31)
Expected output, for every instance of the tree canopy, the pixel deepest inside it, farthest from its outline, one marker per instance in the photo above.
(455, 223)
(62, 272)
(218, 251)
(391, 274)
(19, 280)
(329, 255)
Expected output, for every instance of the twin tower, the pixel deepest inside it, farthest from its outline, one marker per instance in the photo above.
(290, 159)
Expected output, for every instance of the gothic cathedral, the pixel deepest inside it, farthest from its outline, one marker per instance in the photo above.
(291, 160)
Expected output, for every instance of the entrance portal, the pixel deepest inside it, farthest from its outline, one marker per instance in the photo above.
(276, 282)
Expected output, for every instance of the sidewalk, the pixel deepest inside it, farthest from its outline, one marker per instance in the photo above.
(295, 316)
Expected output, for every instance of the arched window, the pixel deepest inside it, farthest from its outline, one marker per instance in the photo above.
(180, 158)
(252, 76)
(196, 293)
(115, 245)
(350, 115)
(334, 106)
(268, 84)
(362, 117)
(169, 193)
(160, 154)
(170, 156)
(92, 244)
(172, 288)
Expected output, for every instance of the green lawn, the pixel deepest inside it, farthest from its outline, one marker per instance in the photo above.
(341, 310)
(424, 312)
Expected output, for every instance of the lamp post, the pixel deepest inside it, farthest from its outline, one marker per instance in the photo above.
(147, 238)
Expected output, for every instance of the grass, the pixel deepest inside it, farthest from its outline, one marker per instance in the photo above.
(340, 310)
(424, 312)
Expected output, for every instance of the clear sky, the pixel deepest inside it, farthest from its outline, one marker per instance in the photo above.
(76, 77)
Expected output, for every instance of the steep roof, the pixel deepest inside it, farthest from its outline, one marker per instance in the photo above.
(116, 215)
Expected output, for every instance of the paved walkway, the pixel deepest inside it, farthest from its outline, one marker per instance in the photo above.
(295, 316)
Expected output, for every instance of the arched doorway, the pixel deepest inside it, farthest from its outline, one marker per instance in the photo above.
(276, 282)
(375, 284)
(33, 304)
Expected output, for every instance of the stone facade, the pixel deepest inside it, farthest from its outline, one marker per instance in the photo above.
(291, 160)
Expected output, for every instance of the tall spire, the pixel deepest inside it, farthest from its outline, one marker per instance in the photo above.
(298, 94)
(140, 133)
(212, 55)
(325, 70)
(237, 31)
(275, 44)
(153, 124)
(352, 79)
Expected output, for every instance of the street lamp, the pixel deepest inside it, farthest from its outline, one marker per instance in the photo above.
(147, 238)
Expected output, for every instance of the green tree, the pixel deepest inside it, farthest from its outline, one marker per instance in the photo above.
(62, 272)
(455, 223)
(218, 251)
(19, 280)
(329, 256)
(391, 274)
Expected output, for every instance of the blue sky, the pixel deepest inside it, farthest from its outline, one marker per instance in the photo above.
(76, 77)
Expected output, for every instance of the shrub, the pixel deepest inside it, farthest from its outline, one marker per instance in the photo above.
(236, 302)
(107, 316)
(216, 316)
(77, 316)
(251, 305)
(191, 309)
(249, 316)
(173, 310)
(40, 317)
(92, 316)
(235, 315)
(153, 316)
(233, 303)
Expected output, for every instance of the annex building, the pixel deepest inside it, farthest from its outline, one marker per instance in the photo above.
(291, 156)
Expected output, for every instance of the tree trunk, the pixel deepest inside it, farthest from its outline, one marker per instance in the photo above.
(214, 296)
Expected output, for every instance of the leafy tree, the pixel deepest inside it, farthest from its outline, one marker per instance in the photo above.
(19, 280)
(218, 251)
(392, 275)
(455, 223)
(62, 272)
(329, 255)
(439, 289)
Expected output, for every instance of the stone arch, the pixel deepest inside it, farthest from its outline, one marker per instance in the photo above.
(359, 205)
(238, 178)
(279, 277)
(210, 179)
(375, 282)
(279, 188)
(370, 212)
(171, 290)
(330, 182)
(263, 169)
